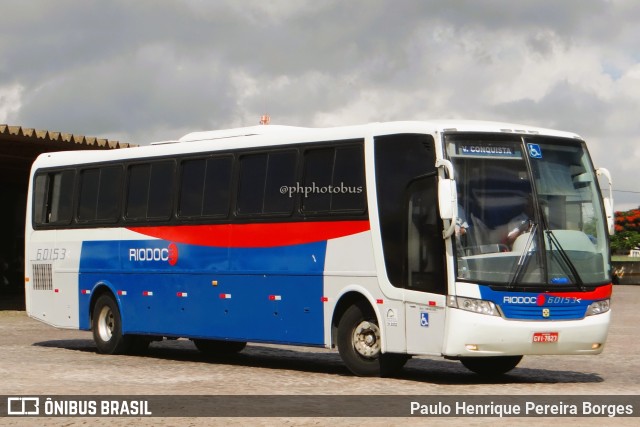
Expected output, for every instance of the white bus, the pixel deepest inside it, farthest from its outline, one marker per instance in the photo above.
(476, 241)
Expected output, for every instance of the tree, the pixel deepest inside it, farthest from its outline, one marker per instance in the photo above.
(627, 234)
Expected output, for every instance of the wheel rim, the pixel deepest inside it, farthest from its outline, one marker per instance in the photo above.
(106, 324)
(366, 339)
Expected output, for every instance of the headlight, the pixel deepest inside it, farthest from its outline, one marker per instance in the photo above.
(473, 305)
(598, 307)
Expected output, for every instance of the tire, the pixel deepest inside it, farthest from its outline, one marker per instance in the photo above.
(491, 366)
(213, 348)
(359, 344)
(107, 327)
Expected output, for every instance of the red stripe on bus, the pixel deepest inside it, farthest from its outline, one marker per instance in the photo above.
(602, 292)
(256, 235)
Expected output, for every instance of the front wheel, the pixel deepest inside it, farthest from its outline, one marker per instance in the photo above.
(360, 344)
(107, 327)
(491, 366)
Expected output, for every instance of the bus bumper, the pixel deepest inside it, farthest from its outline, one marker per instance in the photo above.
(471, 334)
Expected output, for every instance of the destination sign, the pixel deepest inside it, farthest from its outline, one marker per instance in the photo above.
(488, 150)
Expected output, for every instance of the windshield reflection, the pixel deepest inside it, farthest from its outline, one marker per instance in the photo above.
(529, 212)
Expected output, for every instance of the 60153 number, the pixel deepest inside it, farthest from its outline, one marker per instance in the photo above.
(51, 254)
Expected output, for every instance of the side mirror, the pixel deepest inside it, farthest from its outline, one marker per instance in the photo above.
(608, 211)
(447, 198)
(608, 201)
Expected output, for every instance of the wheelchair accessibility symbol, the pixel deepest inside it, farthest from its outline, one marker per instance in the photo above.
(534, 151)
(424, 319)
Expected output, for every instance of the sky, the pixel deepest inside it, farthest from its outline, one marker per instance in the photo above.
(151, 70)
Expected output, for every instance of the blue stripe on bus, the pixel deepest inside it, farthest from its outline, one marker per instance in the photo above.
(542, 305)
(249, 294)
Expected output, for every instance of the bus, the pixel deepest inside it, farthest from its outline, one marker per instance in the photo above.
(475, 241)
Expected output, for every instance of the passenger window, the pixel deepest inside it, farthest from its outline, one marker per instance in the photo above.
(262, 177)
(348, 176)
(318, 171)
(109, 194)
(281, 173)
(138, 192)
(99, 194)
(192, 187)
(217, 189)
(53, 195)
(253, 169)
(334, 180)
(160, 190)
(88, 197)
(150, 190)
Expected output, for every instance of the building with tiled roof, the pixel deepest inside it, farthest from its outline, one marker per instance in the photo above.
(19, 146)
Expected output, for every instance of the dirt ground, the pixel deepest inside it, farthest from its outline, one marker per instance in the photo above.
(36, 359)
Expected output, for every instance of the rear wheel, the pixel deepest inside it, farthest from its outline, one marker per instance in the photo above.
(214, 348)
(491, 366)
(107, 327)
(359, 344)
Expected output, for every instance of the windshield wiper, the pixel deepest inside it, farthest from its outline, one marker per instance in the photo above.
(553, 241)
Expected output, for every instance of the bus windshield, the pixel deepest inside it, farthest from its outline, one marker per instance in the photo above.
(529, 212)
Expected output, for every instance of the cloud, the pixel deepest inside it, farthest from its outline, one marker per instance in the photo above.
(156, 69)
(10, 101)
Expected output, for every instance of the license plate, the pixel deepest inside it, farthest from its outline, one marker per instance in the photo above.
(545, 337)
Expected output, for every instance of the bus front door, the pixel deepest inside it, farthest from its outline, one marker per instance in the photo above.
(425, 291)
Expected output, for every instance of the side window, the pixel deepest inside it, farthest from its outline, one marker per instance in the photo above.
(253, 169)
(40, 193)
(149, 191)
(217, 189)
(99, 194)
(334, 180)
(281, 173)
(262, 176)
(110, 194)
(348, 177)
(160, 190)
(318, 171)
(53, 194)
(192, 187)
(204, 187)
(88, 194)
(138, 192)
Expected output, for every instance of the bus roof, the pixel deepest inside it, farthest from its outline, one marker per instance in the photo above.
(271, 135)
(379, 128)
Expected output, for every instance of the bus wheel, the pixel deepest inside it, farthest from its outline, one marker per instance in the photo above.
(486, 366)
(359, 342)
(107, 327)
(214, 348)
